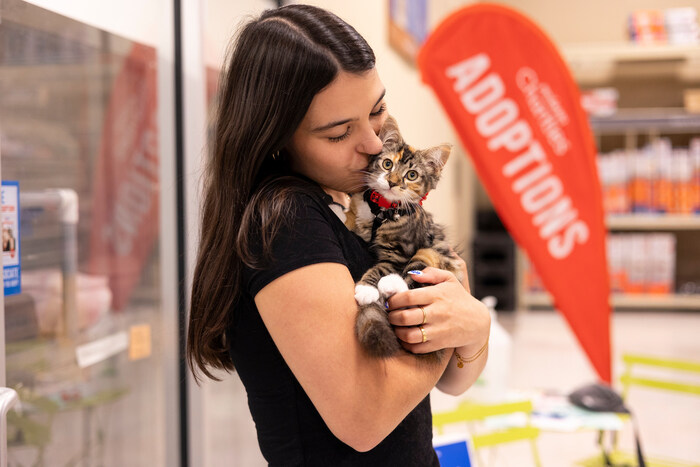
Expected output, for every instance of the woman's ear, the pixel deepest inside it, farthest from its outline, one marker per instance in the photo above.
(389, 134)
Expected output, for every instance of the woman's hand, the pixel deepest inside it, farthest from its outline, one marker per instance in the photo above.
(450, 317)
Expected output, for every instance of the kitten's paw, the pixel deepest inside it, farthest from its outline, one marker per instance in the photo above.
(366, 294)
(391, 284)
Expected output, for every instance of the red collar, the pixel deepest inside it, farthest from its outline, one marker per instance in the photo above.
(381, 201)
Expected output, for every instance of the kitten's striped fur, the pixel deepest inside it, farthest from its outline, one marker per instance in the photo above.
(409, 241)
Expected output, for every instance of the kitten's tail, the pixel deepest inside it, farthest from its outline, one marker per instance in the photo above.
(374, 331)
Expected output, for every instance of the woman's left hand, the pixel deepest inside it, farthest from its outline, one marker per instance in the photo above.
(449, 316)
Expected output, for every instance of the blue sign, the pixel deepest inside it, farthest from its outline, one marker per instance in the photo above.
(454, 451)
(12, 271)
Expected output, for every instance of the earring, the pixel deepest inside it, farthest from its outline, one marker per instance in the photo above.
(275, 155)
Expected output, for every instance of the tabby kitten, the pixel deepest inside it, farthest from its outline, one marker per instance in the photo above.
(402, 235)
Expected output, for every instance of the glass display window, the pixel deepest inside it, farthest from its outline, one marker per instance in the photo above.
(87, 338)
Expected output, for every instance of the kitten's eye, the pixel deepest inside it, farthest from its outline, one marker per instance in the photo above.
(411, 175)
(387, 164)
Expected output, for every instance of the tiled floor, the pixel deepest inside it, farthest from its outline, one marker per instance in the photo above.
(545, 357)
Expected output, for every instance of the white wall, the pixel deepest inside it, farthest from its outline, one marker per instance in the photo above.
(221, 19)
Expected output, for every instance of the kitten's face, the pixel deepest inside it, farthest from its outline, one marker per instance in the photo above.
(401, 172)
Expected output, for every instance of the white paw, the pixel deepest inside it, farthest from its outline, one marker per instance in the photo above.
(391, 284)
(366, 294)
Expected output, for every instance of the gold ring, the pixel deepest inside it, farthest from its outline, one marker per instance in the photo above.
(424, 314)
(425, 336)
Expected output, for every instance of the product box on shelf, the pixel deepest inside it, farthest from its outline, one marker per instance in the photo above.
(638, 263)
(654, 179)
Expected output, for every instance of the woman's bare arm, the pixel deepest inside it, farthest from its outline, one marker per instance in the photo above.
(310, 314)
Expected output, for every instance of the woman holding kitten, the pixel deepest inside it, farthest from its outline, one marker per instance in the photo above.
(300, 110)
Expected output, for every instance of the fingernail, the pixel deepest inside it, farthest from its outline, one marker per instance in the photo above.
(416, 273)
(386, 305)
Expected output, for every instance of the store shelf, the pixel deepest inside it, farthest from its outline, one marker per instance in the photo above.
(666, 120)
(629, 51)
(593, 63)
(653, 222)
(642, 301)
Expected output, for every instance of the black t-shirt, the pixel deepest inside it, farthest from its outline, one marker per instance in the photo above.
(290, 430)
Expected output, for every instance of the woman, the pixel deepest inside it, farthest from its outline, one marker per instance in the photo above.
(300, 109)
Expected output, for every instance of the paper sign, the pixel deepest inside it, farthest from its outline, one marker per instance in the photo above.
(517, 109)
(101, 349)
(139, 341)
(12, 277)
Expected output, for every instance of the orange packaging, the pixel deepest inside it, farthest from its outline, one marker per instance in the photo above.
(533, 283)
(618, 277)
(641, 190)
(662, 185)
(619, 178)
(695, 161)
(603, 165)
(647, 27)
(663, 195)
(683, 189)
(635, 262)
(662, 263)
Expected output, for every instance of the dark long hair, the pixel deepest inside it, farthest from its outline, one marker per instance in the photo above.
(279, 62)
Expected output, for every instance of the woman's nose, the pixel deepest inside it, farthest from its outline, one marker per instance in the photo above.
(371, 144)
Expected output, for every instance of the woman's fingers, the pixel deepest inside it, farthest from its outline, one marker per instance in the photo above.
(414, 340)
(453, 318)
(432, 276)
(421, 296)
(409, 316)
(414, 298)
(413, 334)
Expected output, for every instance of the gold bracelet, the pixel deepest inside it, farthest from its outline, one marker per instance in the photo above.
(461, 361)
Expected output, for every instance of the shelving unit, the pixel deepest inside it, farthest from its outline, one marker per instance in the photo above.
(605, 52)
(642, 301)
(664, 120)
(599, 62)
(652, 222)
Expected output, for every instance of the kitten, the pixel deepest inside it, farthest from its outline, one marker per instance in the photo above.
(402, 235)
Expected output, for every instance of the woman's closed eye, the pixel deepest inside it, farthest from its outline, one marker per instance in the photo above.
(382, 109)
(336, 139)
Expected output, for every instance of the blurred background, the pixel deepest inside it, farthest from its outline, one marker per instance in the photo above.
(104, 113)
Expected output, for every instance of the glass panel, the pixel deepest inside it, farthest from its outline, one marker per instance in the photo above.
(79, 135)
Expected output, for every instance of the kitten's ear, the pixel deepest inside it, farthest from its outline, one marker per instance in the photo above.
(389, 134)
(441, 153)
